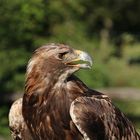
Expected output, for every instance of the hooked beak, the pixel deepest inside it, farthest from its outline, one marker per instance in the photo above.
(79, 58)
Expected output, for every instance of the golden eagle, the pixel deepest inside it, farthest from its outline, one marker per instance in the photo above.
(58, 106)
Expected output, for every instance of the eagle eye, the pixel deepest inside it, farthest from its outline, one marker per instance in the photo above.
(62, 55)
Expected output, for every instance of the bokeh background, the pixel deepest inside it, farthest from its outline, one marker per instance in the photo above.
(107, 29)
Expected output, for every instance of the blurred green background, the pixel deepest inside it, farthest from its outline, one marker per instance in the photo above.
(108, 29)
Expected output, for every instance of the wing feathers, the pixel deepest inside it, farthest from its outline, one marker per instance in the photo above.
(97, 118)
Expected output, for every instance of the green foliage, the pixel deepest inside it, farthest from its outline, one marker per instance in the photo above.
(13, 69)
(19, 27)
(20, 21)
(4, 122)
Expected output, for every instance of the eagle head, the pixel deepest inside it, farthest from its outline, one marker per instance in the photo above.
(58, 59)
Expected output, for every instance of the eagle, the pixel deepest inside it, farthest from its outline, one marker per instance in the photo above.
(57, 105)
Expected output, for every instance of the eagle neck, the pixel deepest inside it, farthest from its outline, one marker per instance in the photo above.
(44, 83)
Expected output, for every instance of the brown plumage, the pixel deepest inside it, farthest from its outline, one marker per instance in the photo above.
(18, 127)
(59, 106)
